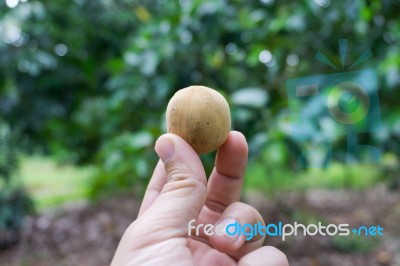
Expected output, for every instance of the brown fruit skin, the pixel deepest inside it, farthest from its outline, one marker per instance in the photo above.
(200, 116)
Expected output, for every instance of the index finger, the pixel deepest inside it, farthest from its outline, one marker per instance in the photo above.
(226, 181)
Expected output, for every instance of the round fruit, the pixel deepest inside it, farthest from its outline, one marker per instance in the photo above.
(200, 116)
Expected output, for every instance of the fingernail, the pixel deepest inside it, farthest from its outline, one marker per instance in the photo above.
(165, 149)
(229, 228)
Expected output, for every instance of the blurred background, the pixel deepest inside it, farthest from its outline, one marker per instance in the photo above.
(83, 91)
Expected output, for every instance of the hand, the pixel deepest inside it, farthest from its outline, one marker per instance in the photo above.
(177, 193)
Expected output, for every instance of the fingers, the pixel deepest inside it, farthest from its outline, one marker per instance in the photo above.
(226, 181)
(239, 233)
(183, 195)
(154, 187)
(264, 256)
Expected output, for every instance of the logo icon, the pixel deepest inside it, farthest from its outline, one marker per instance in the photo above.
(324, 108)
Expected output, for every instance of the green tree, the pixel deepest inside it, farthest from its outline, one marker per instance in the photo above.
(90, 80)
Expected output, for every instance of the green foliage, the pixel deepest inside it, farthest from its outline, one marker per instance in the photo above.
(51, 184)
(14, 202)
(8, 157)
(355, 243)
(121, 167)
(87, 80)
(267, 173)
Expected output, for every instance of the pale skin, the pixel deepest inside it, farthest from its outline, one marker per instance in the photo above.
(179, 192)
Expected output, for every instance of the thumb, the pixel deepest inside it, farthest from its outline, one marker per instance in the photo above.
(184, 193)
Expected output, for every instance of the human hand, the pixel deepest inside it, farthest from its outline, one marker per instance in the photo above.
(177, 193)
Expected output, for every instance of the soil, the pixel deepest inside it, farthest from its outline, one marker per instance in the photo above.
(88, 233)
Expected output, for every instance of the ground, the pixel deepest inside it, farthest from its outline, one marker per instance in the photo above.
(88, 233)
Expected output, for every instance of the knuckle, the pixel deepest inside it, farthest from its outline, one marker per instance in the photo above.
(181, 179)
(178, 173)
(246, 209)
